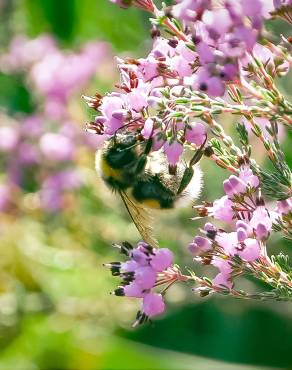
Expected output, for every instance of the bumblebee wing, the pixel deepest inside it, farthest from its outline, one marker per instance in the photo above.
(141, 218)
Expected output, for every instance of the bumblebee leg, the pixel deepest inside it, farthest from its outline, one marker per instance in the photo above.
(189, 171)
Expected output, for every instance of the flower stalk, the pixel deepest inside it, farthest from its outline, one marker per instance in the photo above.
(208, 63)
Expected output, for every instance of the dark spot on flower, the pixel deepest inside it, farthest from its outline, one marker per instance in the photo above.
(173, 43)
(211, 234)
(196, 39)
(203, 86)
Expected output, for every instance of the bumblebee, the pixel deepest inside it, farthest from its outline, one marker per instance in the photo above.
(144, 180)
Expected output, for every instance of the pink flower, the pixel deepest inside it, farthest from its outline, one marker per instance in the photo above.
(153, 304)
(56, 147)
(196, 133)
(205, 82)
(162, 259)
(181, 66)
(137, 99)
(140, 257)
(129, 266)
(228, 241)
(284, 207)
(241, 234)
(218, 22)
(134, 290)
(200, 245)
(173, 151)
(28, 154)
(206, 54)
(110, 105)
(251, 8)
(158, 142)
(251, 250)
(223, 265)
(240, 224)
(32, 126)
(189, 10)
(261, 222)
(145, 277)
(222, 209)
(147, 131)
(148, 68)
(188, 54)
(215, 86)
(248, 177)
(9, 137)
(145, 267)
(222, 280)
(238, 185)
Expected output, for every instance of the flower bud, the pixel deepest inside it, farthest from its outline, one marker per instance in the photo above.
(153, 304)
(196, 133)
(228, 188)
(145, 277)
(237, 184)
(133, 290)
(203, 243)
(147, 131)
(284, 207)
(173, 152)
(241, 234)
(261, 231)
(162, 260)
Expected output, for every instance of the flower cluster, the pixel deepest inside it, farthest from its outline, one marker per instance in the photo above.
(40, 151)
(208, 60)
(222, 36)
(146, 269)
(141, 93)
(210, 48)
(244, 209)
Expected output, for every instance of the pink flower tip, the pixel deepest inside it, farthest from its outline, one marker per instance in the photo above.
(162, 260)
(153, 304)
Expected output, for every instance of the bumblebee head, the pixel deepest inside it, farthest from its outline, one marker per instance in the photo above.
(122, 150)
(121, 160)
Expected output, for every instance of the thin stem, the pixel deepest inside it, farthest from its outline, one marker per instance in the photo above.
(167, 23)
(233, 292)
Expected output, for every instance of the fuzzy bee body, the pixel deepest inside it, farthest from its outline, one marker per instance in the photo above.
(143, 180)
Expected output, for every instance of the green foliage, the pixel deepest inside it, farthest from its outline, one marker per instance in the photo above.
(55, 16)
(282, 261)
(14, 97)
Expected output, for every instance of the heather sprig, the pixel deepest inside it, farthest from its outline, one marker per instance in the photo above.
(211, 64)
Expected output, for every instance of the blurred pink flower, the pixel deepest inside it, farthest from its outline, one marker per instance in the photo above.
(56, 147)
(9, 137)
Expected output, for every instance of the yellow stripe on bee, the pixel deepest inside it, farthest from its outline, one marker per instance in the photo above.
(152, 203)
(109, 172)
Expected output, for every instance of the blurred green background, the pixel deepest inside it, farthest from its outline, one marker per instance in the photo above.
(55, 307)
